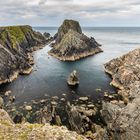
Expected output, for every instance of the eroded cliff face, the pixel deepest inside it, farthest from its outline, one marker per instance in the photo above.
(123, 120)
(16, 42)
(71, 44)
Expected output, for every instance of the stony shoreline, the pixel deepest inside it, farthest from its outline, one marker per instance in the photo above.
(77, 56)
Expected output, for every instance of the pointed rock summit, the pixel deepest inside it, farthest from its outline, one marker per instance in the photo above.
(71, 44)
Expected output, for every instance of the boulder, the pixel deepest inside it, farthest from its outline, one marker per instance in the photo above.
(28, 108)
(73, 79)
(47, 35)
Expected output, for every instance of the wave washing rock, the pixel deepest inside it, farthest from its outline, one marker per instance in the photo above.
(73, 79)
(27, 131)
(123, 121)
(16, 42)
(71, 44)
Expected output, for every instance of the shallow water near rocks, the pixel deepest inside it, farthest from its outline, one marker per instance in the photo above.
(49, 75)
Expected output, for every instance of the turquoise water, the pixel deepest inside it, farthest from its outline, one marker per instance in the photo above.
(49, 75)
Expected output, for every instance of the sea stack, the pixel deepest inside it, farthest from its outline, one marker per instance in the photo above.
(73, 79)
(71, 44)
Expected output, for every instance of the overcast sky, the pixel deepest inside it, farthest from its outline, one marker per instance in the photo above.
(53, 12)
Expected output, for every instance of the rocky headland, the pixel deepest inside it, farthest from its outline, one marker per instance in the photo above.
(71, 44)
(16, 45)
(123, 118)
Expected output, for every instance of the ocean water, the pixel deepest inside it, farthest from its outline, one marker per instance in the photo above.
(50, 75)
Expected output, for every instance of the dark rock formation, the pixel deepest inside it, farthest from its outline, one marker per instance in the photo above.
(73, 79)
(15, 44)
(47, 35)
(123, 119)
(71, 44)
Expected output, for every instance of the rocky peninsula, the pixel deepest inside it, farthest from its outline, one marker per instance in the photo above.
(71, 44)
(123, 118)
(16, 45)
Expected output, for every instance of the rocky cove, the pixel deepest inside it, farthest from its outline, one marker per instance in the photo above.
(82, 112)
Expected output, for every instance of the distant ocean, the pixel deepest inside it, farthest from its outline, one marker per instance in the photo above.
(50, 74)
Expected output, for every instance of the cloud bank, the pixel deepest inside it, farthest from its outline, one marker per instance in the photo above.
(53, 12)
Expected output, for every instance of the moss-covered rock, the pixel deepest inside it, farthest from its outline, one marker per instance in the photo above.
(15, 43)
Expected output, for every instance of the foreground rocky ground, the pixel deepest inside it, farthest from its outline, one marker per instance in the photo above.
(123, 121)
(71, 44)
(16, 45)
(27, 131)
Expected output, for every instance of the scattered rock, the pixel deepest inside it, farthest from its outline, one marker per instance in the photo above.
(12, 98)
(7, 93)
(28, 108)
(83, 99)
(55, 98)
(54, 103)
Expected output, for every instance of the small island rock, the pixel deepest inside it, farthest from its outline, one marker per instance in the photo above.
(73, 79)
(71, 44)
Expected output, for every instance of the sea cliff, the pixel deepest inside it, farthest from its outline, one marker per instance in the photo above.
(16, 44)
(123, 118)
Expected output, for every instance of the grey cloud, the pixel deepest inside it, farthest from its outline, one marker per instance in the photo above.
(42, 11)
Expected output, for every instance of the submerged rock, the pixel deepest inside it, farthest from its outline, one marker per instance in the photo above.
(123, 121)
(71, 44)
(73, 79)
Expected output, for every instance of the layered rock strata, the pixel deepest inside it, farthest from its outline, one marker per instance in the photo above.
(71, 44)
(123, 118)
(16, 43)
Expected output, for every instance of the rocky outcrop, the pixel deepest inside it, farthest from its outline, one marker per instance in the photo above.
(27, 131)
(73, 79)
(71, 44)
(123, 119)
(16, 43)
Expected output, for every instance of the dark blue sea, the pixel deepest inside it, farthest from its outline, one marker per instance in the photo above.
(49, 75)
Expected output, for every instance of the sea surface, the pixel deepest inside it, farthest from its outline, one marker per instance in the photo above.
(49, 75)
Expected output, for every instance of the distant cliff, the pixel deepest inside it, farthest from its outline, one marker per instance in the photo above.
(71, 44)
(15, 44)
